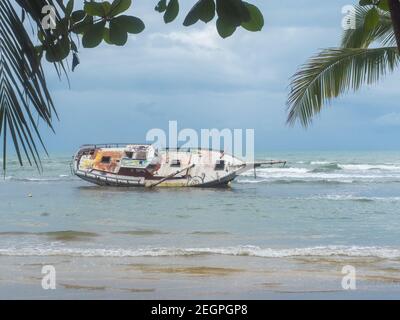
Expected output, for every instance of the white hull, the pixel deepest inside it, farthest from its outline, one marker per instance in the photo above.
(145, 166)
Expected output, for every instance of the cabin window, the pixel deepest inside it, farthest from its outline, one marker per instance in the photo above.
(106, 160)
(129, 154)
(175, 163)
(140, 155)
(220, 165)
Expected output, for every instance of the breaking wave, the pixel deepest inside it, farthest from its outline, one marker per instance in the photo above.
(320, 162)
(326, 172)
(57, 178)
(338, 197)
(327, 168)
(253, 251)
(367, 167)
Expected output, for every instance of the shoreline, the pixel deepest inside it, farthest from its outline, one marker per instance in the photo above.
(200, 277)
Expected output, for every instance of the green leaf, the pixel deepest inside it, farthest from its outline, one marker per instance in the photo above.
(119, 6)
(25, 100)
(39, 52)
(384, 5)
(192, 17)
(225, 29)
(75, 61)
(41, 36)
(333, 72)
(256, 22)
(360, 38)
(130, 24)
(172, 11)
(161, 6)
(83, 26)
(59, 50)
(207, 10)
(365, 2)
(118, 33)
(69, 8)
(106, 36)
(62, 27)
(203, 10)
(232, 12)
(78, 15)
(94, 9)
(106, 8)
(371, 19)
(93, 35)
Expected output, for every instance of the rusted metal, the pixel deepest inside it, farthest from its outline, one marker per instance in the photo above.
(170, 176)
(127, 165)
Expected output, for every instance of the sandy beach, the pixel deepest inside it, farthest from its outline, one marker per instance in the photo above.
(197, 278)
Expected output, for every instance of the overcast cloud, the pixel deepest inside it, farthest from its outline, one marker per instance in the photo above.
(170, 72)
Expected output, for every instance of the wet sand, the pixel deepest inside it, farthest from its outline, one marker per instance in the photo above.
(200, 277)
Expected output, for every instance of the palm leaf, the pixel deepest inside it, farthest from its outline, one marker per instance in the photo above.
(362, 38)
(333, 72)
(23, 90)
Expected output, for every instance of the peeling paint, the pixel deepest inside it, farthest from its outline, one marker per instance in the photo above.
(143, 165)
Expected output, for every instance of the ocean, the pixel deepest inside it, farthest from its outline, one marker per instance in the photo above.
(286, 233)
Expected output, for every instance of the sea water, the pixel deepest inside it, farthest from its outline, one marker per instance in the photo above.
(320, 205)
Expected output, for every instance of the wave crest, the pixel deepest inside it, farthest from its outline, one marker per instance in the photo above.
(321, 251)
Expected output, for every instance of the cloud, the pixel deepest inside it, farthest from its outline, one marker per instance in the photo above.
(200, 39)
(191, 75)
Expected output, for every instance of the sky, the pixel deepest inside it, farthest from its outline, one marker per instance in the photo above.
(191, 75)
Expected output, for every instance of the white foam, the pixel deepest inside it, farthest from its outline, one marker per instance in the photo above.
(320, 162)
(366, 167)
(245, 181)
(321, 251)
(347, 174)
(40, 179)
(282, 172)
(344, 197)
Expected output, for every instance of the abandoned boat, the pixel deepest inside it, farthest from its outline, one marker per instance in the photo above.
(141, 165)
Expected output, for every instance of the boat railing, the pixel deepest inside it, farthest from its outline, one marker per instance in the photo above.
(122, 145)
(110, 145)
(189, 149)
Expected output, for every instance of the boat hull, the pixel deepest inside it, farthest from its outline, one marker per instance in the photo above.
(117, 181)
(199, 168)
(134, 165)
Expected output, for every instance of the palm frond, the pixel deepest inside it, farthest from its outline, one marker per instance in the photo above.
(333, 72)
(362, 38)
(23, 90)
(33, 9)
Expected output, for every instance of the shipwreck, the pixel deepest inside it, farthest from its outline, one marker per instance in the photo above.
(142, 165)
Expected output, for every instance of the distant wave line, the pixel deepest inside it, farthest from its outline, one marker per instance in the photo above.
(320, 251)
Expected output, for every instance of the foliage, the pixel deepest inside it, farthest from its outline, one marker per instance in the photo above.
(23, 88)
(358, 61)
(104, 21)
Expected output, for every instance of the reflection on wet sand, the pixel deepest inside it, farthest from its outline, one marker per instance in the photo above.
(187, 270)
